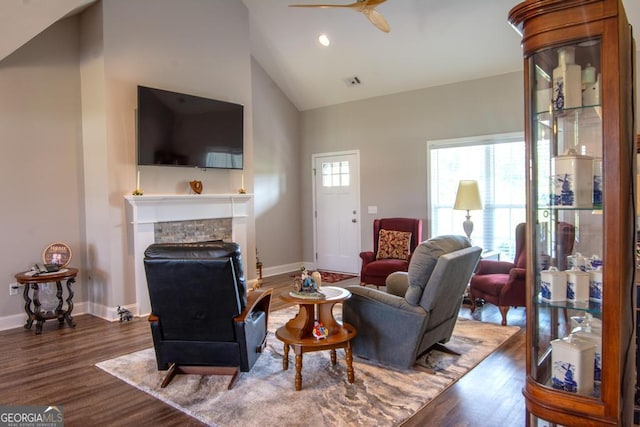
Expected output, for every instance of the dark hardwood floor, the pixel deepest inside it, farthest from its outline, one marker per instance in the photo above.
(57, 368)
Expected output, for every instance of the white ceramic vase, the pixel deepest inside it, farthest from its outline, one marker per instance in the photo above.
(567, 81)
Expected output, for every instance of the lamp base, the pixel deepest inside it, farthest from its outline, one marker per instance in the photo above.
(468, 226)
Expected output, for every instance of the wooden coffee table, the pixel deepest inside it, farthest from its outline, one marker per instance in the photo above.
(297, 332)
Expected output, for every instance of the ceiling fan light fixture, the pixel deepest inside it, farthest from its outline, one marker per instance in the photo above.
(323, 39)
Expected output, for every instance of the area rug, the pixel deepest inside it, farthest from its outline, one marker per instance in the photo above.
(266, 395)
(331, 277)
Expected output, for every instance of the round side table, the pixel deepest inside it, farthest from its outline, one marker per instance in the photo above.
(298, 332)
(32, 306)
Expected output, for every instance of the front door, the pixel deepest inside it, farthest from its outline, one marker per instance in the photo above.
(337, 211)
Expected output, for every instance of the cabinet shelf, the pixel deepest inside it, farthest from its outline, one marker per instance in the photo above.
(586, 113)
(592, 307)
(595, 210)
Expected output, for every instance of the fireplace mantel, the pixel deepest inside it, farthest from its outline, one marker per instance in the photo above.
(144, 211)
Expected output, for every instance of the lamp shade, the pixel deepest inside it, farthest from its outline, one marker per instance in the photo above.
(468, 196)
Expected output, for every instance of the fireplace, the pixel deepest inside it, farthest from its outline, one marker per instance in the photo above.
(193, 230)
(182, 218)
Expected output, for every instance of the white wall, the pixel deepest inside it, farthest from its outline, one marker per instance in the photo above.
(391, 133)
(277, 186)
(68, 115)
(41, 163)
(192, 46)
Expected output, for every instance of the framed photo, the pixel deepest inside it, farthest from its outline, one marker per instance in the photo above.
(57, 253)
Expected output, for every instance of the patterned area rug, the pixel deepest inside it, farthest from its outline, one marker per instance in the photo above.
(331, 277)
(266, 396)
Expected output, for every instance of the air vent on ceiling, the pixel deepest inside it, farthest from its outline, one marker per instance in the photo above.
(352, 81)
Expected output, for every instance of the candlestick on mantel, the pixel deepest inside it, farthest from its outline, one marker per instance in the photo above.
(137, 191)
(241, 190)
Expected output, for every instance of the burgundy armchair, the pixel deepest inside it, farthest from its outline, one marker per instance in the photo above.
(376, 266)
(502, 283)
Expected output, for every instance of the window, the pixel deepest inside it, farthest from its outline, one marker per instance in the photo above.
(497, 162)
(335, 174)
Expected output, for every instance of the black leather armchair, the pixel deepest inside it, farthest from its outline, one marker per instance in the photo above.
(202, 321)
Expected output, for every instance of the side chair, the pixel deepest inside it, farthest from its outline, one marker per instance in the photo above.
(394, 241)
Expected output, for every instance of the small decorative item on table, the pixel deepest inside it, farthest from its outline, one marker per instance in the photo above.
(317, 277)
(56, 256)
(320, 332)
(305, 286)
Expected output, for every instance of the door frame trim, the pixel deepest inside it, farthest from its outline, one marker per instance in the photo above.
(314, 218)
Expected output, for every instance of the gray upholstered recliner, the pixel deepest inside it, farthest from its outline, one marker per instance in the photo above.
(420, 307)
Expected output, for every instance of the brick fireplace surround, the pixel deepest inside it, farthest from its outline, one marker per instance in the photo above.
(188, 218)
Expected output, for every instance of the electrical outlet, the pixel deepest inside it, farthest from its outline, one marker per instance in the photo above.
(13, 288)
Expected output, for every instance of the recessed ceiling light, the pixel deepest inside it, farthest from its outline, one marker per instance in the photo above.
(324, 40)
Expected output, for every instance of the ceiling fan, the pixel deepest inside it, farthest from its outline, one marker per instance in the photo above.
(367, 7)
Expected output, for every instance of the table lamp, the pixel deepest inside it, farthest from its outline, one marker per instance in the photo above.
(468, 199)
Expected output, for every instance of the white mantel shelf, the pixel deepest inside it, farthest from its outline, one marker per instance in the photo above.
(154, 208)
(146, 210)
(159, 197)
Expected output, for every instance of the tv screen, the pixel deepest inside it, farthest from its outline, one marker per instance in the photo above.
(175, 129)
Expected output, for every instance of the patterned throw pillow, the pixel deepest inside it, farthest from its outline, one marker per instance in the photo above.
(393, 244)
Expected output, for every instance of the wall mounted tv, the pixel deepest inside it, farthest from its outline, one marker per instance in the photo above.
(176, 129)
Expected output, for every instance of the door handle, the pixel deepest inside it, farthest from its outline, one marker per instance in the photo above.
(354, 220)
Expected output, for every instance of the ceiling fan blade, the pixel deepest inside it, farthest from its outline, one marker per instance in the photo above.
(377, 19)
(365, 6)
(357, 5)
(352, 5)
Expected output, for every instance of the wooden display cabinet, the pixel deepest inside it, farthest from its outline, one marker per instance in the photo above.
(581, 145)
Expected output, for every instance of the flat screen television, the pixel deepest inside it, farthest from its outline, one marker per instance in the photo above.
(176, 129)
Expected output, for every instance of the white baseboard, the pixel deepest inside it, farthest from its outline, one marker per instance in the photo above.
(19, 320)
(287, 268)
(111, 313)
(13, 321)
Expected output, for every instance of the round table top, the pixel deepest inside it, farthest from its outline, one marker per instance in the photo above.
(332, 294)
(33, 277)
(286, 335)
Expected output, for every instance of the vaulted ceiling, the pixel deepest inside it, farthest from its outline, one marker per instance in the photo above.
(431, 43)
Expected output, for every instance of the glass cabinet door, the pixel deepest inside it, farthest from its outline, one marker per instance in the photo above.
(566, 195)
